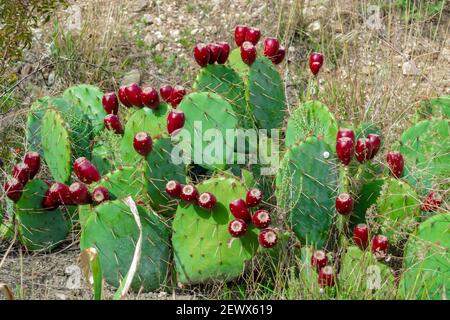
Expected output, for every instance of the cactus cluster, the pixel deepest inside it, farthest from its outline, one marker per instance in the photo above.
(350, 206)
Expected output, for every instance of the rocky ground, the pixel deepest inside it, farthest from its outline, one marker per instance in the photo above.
(379, 66)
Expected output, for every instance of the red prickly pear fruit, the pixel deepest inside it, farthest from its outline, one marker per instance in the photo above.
(21, 172)
(271, 46)
(142, 143)
(261, 219)
(60, 193)
(344, 204)
(173, 188)
(239, 210)
(361, 235)
(86, 171)
(431, 203)
(279, 57)
(207, 200)
(344, 132)
(214, 52)
(248, 53)
(268, 238)
(134, 92)
(48, 202)
(326, 277)
(224, 52)
(396, 163)
(239, 34)
(202, 54)
(110, 103)
(112, 122)
(33, 160)
(237, 228)
(150, 98)
(362, 150)
(165, 93)
(380, 246)
(178, 93)
(189, 193)
(13, 189)
(100, 194)
(253, 35)
(344, 150)
(315, 62)
(175, 121)
(319, 259)
(80, 193)
(253, 197)
(375, 143)
(123, 97)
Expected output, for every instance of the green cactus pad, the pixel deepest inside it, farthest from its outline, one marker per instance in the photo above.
(235, 62)
(124, 182)
(425, 148)
(398, 209)
(39, 229)
(154, 122)
(159, 170)
(56, 145)
(102, 156)
(311, 118)
(112, 230)
(438, 107)
(266, 94)
(227, 83)
(368, 195)
(88, 100)
(362, 277)
(211, 112)
(367, 128)
(201, 240)
(34, 123)
(306, 188)
(427, 261)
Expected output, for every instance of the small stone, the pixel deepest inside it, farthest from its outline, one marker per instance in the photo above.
(133, 76)
(159, 47)
(51, 79)
(314, 26)
(409, 68)
(149, 40)
(147, 19)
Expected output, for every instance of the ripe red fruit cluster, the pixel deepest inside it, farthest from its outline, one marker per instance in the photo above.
(86, 171)
(315, 62)
(244, 33)
(319, 261)
(273, 50)
(112, 122)
(175, 121)
(431, 203)
(22, 172)
(143, 143)
(190, 194)
(261, 219)
(172, 95)
(380, 245)
(361, 235)
(344, 204)
(364, 148)
(396, 163)
(211, 53)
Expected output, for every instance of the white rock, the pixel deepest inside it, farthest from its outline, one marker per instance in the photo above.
(314, 26)
(147, 19)
(409, 68)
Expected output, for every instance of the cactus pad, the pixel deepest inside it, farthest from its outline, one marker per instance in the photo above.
(425, 148)
(112, 230)
(235, 62)
(211, 112)
(266, 94)
(34, 122)
(88, 100)
(311, 118)
(368, 195)
(437, 107)
(306, 186)
(426, 266)
(398, 209)
(39, 229)
(201, 239)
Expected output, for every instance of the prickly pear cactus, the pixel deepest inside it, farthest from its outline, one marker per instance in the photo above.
(311, 118)
(227, 83)
(306, 186)
(208, 113)
(112, 230)
(437, 107)
(361, 276)
(426, 265)
(87, 99)
(201, 242)
(425, 148)
(39, 229)
(152, 121)
(236, 63)
(368, 195)
(34, 122)
(101, 156)
(398, 209)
